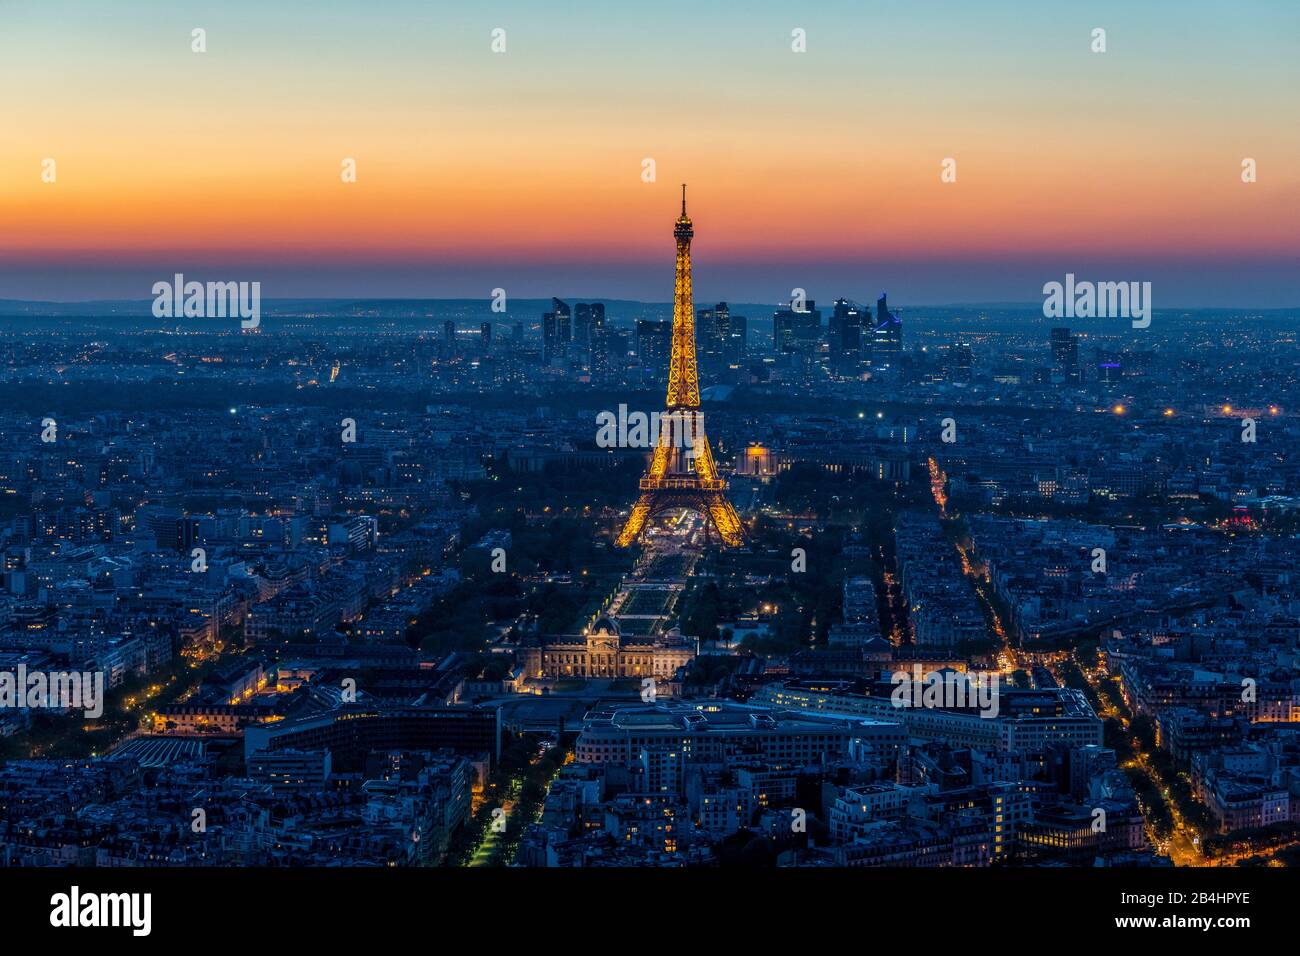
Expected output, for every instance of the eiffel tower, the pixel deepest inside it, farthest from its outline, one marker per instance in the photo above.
(682, 473)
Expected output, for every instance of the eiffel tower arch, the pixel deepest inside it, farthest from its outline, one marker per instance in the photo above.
(682, 473)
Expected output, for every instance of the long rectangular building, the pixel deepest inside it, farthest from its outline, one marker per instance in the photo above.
(723, 732)
(1026, 721)
(351, 732)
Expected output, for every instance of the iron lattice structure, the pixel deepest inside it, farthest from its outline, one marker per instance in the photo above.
(682, 473)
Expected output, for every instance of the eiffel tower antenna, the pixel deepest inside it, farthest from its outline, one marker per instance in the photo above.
(682, 473)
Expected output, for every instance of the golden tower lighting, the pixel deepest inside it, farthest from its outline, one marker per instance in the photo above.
(682, 473)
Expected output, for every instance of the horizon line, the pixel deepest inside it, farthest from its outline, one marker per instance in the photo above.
(1028, 304)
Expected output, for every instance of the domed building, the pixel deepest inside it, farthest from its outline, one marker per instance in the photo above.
(602, 650)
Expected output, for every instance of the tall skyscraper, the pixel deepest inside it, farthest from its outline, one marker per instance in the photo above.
(549, 338)
(783, 332)
(654, 343)
(887, 336)
(557, 329)
(582, 328)
(449, 338)
(588, 317)
(713, 329)
(563, 328)
(601, 346)
(738, 340)
(796, 330)
(960, 362)
(1065, 355)
(846, 339)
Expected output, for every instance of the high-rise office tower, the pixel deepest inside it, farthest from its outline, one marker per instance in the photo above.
(549, 338)
(602, 368)
(597, 319)
(713, 329)
(848, 322)
(1065, 355)
(737, 347)
(783, 332)
(961, 362)
(796, 330)
(887, 336)
(654, 344)
(563, 328)
(582, 328)
(588, 317)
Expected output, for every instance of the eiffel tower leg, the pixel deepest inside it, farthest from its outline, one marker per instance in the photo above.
(636, 521)
(726, 520)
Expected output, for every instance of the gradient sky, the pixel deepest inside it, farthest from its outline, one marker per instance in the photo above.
(522, 170)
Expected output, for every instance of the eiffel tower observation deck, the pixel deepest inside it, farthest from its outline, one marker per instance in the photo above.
(682, 473)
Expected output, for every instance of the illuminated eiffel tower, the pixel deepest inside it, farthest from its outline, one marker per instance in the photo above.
(682, 473)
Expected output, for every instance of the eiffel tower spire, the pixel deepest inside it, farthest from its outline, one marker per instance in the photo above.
(682, 473)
